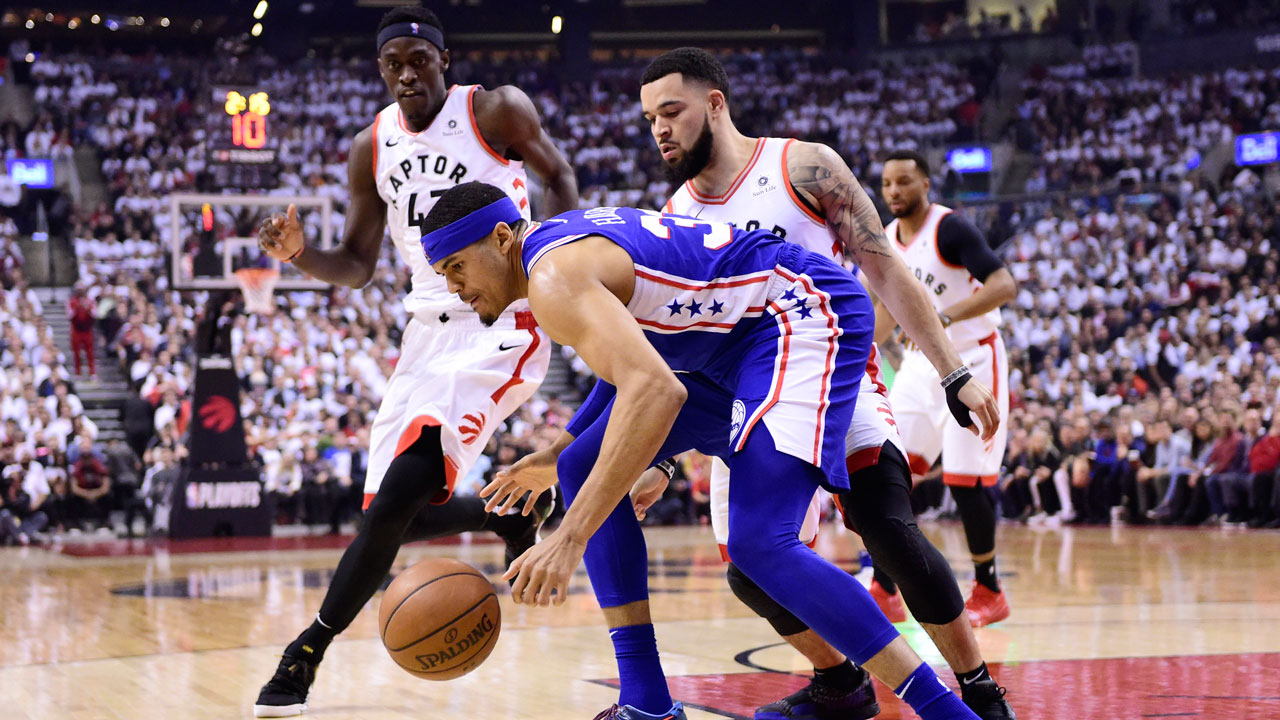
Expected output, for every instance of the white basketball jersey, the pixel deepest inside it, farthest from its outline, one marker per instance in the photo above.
(946, 284)
(413, 169)
(761, 197)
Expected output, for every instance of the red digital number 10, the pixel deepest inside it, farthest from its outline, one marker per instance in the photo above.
(249, 130)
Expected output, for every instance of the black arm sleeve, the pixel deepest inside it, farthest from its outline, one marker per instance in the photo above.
(960, 242)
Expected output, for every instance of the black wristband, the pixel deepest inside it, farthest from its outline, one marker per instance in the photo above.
(668, 466)
(959, 410)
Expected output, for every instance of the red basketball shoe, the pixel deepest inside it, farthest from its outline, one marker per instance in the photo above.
(985, 607)
(890, 604)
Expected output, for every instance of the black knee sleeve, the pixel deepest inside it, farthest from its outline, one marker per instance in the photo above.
(878, 507)
(761, 604)
(978, 515)
(414, 477)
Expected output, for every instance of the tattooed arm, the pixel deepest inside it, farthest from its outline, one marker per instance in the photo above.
(822, 179)
(820, 176)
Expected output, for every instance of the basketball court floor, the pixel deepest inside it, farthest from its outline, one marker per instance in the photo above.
(1107, 623)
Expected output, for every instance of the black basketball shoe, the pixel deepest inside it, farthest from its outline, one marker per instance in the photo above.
(986, 699)
(286, 693)
(525, 535)
(819, 701)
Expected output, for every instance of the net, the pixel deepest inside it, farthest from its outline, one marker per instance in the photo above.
(257, 284)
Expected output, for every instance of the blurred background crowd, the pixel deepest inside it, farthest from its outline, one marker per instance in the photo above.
(1144, 341)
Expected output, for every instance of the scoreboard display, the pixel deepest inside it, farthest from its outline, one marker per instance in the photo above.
(243, 150)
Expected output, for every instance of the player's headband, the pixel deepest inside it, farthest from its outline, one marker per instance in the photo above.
(440, 244)
(430, 33)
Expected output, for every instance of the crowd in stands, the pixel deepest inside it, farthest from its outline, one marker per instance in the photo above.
(1145, 359)
(1144, 342)
(1112, 128)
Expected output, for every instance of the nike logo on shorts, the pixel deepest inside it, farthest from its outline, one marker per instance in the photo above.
(503, 347)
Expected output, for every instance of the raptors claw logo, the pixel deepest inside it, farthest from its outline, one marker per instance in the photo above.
(217, 414)
(470, 429)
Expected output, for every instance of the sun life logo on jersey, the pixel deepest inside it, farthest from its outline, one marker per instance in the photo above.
(765, 186)
(738, 417)
(453, 128)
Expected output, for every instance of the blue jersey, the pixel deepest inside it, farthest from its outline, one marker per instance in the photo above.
(698, 284)
(780, 335)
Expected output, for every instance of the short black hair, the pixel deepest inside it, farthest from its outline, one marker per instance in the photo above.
(460, 201)
(691, 62)
(410, 13)
(910, 155)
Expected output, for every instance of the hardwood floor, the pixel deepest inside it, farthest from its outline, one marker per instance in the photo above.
(1107, 623)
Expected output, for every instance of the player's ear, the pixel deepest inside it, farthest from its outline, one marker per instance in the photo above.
(505, 237)
(717, 102)
(444, 60)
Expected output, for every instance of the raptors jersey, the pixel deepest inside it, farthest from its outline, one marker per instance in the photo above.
(946, 284)
(412, 169)
(761, 198)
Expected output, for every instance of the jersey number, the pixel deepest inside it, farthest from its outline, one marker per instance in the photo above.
(417, 218)
(715, 235)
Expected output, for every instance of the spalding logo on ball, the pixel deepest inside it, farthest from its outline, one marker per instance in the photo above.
(440, 619)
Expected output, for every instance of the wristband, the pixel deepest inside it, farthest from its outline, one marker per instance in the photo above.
(295, 256)
(668, 466)
(959, 410)
(945, 319)
(955, 375)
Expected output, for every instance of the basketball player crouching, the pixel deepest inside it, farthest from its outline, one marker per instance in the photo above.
(458, 377)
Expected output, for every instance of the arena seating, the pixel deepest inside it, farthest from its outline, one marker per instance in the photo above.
(1130, 310)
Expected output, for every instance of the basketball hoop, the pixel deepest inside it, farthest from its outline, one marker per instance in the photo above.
(257, 284)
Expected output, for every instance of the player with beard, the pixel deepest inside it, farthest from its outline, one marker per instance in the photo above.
(459, 375)
(967, 284)
(770, 183)
(797, 191)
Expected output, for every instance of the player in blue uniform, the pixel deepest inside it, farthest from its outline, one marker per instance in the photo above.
(770, 342)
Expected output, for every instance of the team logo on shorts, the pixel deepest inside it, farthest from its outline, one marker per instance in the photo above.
(470, 427)
(738, 417)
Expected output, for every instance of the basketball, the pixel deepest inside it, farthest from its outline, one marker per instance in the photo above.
(440, 619)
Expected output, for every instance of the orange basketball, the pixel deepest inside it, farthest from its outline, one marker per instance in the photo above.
(440, 619)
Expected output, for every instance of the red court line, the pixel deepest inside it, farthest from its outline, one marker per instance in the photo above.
(1194, 686)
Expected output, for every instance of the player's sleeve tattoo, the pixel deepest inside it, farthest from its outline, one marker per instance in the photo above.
(818, 172)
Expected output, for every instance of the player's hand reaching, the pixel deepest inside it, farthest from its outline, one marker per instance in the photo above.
(648, 490)
(280, 235)
(542, 574)
(534, 473)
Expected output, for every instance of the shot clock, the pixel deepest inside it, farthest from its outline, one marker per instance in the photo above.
(243, 151)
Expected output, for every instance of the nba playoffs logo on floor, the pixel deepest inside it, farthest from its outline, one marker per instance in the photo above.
(217, 414)
(739, 415)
